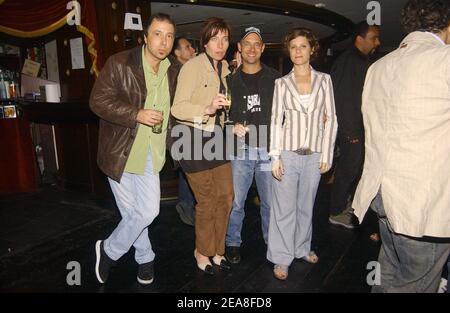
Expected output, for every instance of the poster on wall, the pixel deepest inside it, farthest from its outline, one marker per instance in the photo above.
(51, 55)
(31, 68)
(76, 51)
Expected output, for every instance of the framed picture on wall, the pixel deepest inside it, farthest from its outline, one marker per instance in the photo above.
(9, 111)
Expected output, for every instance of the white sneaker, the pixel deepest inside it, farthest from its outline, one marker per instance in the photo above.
(442, 286)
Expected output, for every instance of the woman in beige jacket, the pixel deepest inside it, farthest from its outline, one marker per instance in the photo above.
(197, 108)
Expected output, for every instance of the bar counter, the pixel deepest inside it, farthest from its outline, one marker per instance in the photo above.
(75, 137)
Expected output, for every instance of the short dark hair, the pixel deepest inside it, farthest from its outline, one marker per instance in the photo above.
(158, 17)
(426, 15)
(176, 43)
(361, 29)
(302, 32)
(212, 27)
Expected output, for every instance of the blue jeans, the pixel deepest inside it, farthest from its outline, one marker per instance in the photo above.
(251, 161)
(407, 264)
(185, 196)
(138, 199)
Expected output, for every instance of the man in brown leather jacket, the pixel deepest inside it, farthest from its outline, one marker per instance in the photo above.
(132, 97)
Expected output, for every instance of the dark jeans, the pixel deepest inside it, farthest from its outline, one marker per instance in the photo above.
(370, 223)
(185, 196)
(407, 264)
(348, 173)
(448, 278)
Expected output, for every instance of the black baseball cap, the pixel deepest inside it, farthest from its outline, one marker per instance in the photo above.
(250, 30)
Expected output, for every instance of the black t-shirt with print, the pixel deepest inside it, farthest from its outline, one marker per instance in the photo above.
(253, 112)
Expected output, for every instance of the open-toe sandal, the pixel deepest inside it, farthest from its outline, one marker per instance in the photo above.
(311, 258)
(280, 271)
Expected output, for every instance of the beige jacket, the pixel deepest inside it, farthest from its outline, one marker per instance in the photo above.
(198, 84)
(406, 111)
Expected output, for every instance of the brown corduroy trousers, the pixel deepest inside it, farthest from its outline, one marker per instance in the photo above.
(213, 190)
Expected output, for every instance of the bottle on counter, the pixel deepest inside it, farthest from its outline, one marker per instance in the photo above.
(16, 80)
(12, 90)
(3, 94)
(6, 83)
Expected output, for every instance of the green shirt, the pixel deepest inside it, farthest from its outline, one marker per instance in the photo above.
(158, 98)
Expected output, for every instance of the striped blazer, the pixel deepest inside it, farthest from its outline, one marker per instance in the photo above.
(294, 126)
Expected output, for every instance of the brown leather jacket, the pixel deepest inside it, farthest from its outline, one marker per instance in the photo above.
(118, 94)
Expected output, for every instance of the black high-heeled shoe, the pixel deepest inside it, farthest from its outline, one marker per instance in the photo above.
(205, 267)
(221, 261)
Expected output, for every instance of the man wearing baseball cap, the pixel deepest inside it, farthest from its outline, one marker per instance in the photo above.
(252, 86)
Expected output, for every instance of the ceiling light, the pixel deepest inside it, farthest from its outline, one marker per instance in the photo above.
(320, 5)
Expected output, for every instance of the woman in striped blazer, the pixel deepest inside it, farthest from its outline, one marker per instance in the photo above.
(302, 137)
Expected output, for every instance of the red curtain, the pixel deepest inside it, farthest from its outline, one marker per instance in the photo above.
(31, 15)
(21, 17)
(89, 19)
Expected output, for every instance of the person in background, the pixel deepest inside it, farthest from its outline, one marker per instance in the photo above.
(183, 52)
(348, 74)
(301, 149)
(406, 111)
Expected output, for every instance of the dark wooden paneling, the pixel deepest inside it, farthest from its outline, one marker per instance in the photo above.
(110, 23)
(48, 151)
(75, 84)
(51, 113)
(10, 62)
(73, 156)
(98, 180)
(18, 169)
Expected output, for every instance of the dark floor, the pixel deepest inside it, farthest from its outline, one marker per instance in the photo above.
(41, 233)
